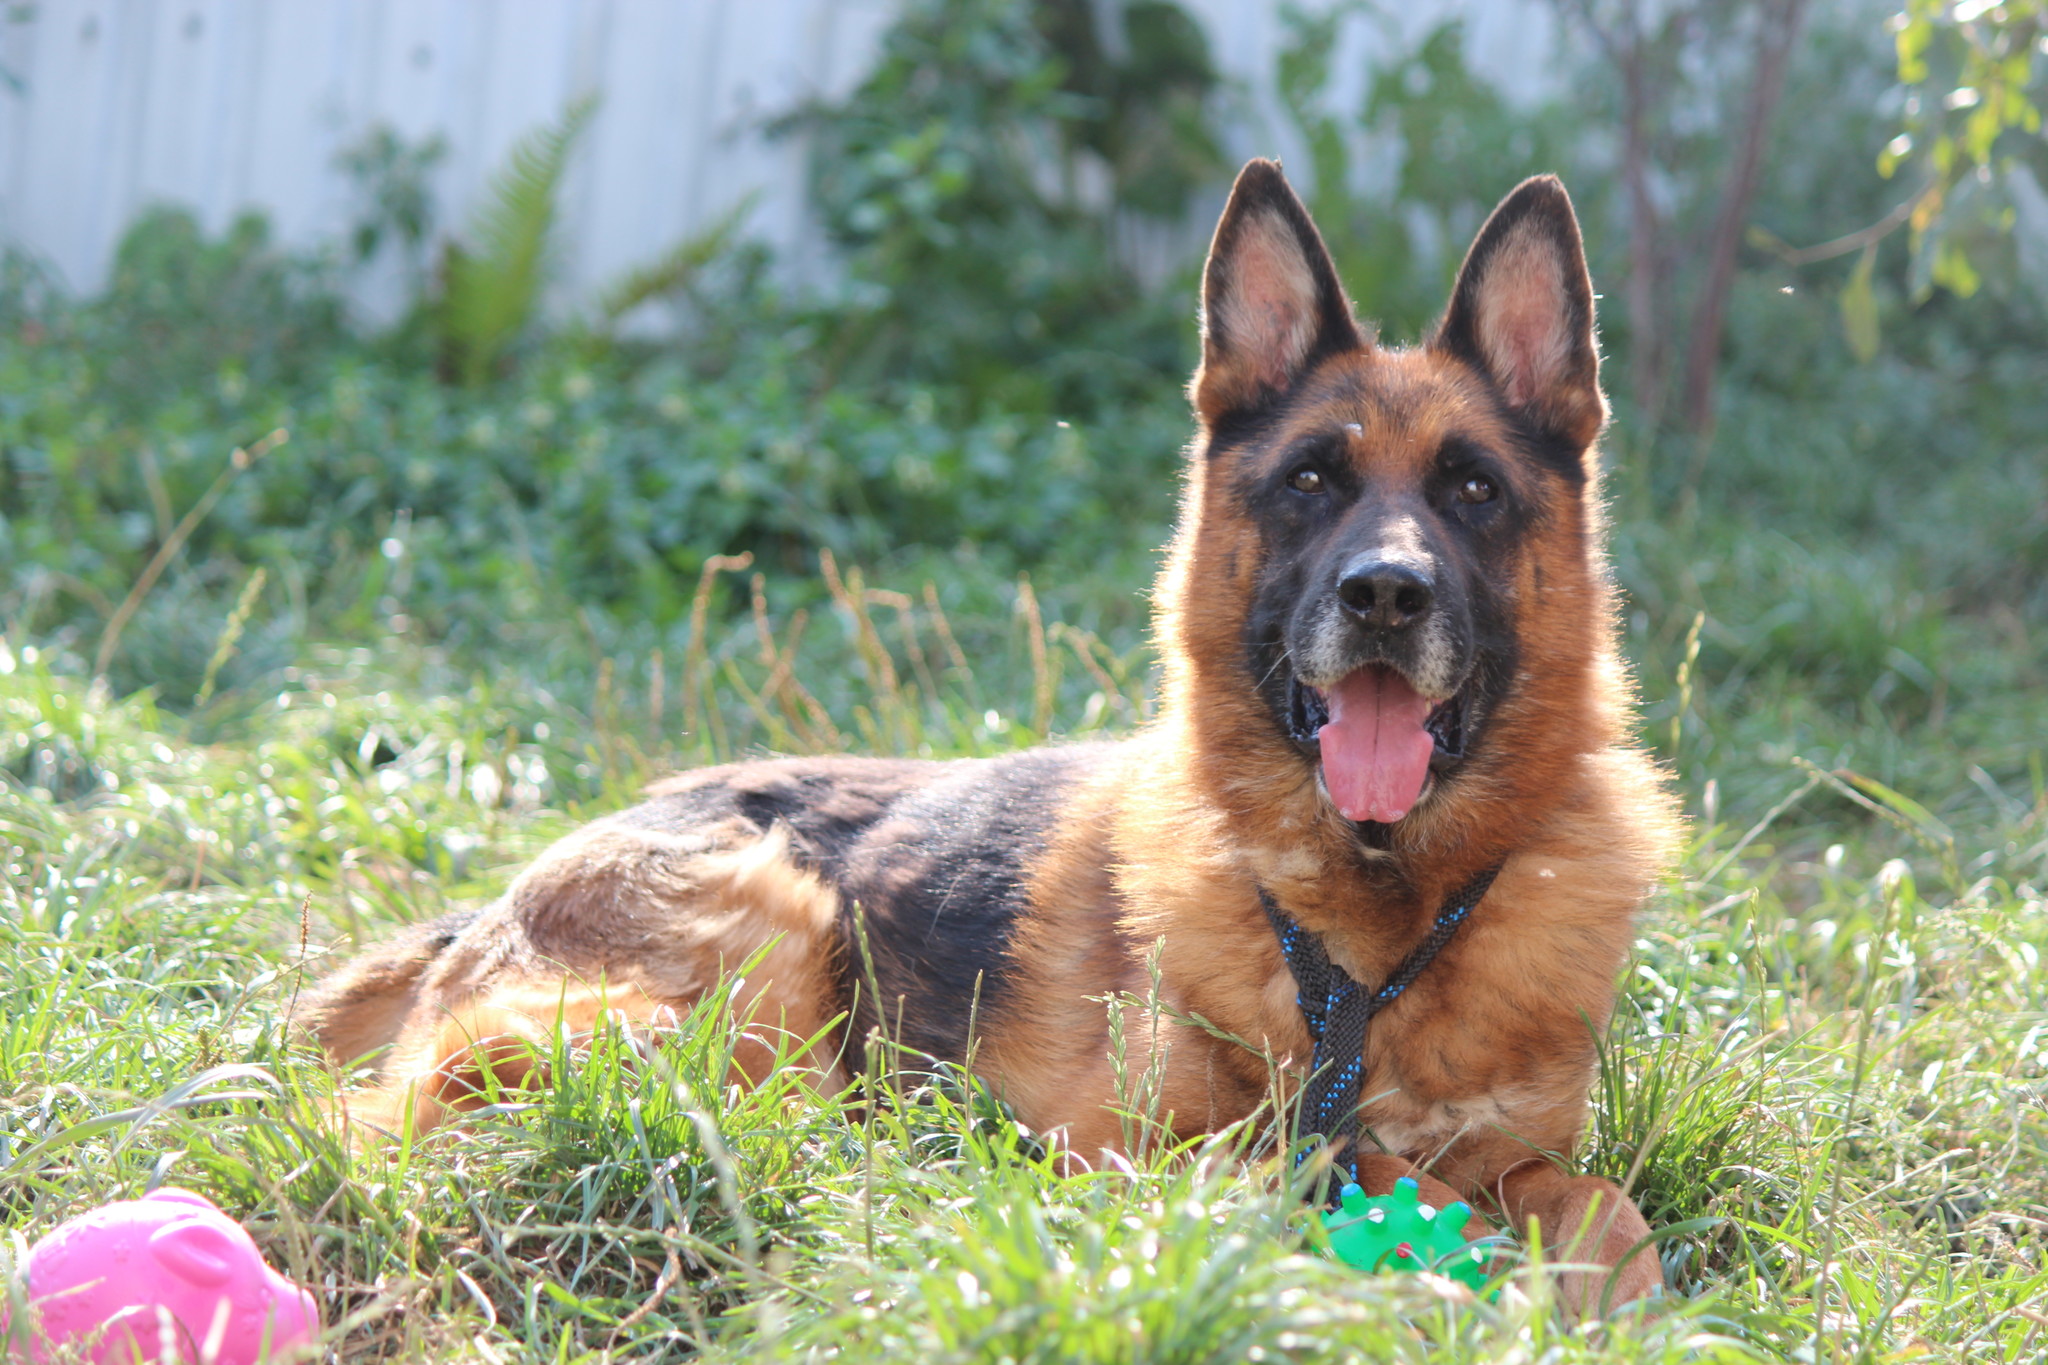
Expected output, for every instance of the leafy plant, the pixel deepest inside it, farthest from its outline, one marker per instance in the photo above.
(1147, 85)
(1967, 144)
(972, 183)
(491, 287)
(1974, 70)
(185, 316)
(392, 177)
(678, 270)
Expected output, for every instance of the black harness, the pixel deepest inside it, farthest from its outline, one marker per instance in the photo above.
(1337, 1010)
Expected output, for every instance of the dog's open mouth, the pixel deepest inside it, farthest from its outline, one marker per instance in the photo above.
(1379, 740)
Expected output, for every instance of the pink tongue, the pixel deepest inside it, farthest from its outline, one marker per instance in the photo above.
(1375, 751)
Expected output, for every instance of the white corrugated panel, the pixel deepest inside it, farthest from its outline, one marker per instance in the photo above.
(107, 106)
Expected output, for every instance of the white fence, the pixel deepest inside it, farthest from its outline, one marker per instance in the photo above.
(107, 106)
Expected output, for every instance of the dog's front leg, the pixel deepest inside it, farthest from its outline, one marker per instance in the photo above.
(1584, 1221)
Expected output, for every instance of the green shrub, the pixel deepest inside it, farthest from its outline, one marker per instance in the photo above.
(188, 319)
(953, 180)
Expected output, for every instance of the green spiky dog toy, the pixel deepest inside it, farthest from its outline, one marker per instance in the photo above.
(1400, 1232)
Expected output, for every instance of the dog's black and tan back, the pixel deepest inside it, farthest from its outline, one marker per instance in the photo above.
(1387, 631)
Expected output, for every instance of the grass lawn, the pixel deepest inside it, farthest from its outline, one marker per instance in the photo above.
(1827, 1075)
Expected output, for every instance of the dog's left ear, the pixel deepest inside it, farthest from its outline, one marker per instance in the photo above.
(1271, 304)
(1522, 313)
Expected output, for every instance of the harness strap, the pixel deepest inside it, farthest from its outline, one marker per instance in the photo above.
(1337, 1010)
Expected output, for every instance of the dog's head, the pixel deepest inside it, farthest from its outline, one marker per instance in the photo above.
(1388, 569)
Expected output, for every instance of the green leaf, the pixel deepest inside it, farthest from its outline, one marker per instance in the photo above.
(675, 271)
(1859, 308)
(1953, 271)
(493, 283)
(1923, 821)
(1912, 42)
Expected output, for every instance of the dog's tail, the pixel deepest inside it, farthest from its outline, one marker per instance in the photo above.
(357, 1013)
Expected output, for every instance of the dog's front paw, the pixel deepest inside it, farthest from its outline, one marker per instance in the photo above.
(1596, 1292)
(1592, 1227)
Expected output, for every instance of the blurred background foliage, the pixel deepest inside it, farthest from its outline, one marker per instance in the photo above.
(1839, 542)
(974, 183)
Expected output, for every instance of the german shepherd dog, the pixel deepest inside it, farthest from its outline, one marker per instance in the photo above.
(1388, 633)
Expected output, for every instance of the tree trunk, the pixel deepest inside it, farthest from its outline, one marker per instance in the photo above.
(1777, 32)
(1646, 335)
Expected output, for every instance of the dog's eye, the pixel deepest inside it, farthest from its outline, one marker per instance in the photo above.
(1478, 488)
(1305, 480)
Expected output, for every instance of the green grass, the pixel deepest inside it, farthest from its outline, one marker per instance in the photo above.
(1828, 1073)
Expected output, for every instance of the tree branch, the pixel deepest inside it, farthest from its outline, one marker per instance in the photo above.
(1766, 240)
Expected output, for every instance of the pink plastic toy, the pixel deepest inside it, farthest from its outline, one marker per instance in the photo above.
(170, 1270)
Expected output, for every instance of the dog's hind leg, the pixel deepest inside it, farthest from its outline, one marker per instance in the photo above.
(633, 926)
(358, 1013)
(498, 1043)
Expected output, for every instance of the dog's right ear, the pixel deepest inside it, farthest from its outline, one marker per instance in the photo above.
(1271, 304)
(1522, 313)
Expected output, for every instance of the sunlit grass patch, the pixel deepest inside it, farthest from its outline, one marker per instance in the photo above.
(1827, 1070)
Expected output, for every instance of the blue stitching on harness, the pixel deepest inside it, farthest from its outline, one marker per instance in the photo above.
(1330, 1099)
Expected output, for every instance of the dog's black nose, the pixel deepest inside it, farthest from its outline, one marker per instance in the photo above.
(1385, 595)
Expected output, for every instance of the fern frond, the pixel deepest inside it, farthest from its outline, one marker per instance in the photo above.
(673, 272)
(494, 282)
